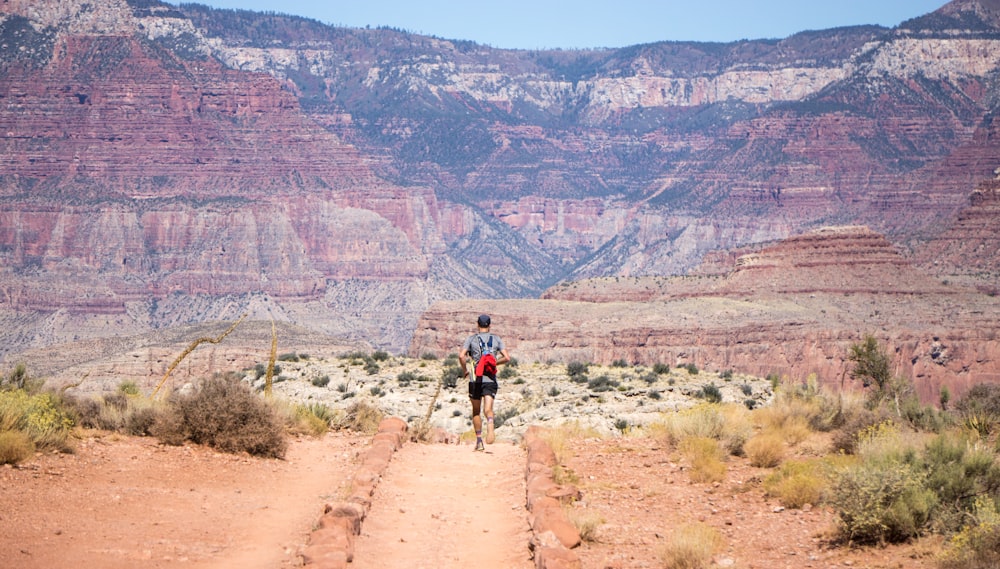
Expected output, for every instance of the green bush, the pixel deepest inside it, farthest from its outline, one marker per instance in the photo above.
(601, 384)
(506, 372)
(959, 472)
(661, 369)
(619, 363)
(18, 378)
(321, 381)
(43, 417)
(878, 502)
(224, 415)
(976, 547)
(451, 373)
(692, 369)
(577, 370)
(710, 393)
(289, 357)
(380, 356)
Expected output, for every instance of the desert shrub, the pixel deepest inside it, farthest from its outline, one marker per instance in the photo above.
(655, 394)
(692, 369)
(746, 389)
(737, 428)
(114, 412)
(128, 388)
(577, 370)
(661, 368)
(621, 425)
(371, 368)
(765, 450)
(845, 439)
(503, 415)
(705, 457)
(289, 357)
(405, 378)
(710, 393)
(380, 356)
(726, 375)
(977, 546)
(43, 417)
(691, 546)
(321, 380)
(959, 472)
(141, 421)
(979, 409)
(309, 419)
(15, 447)
(602, 383)
(883, 496)
(428, 356)
(18, 378)
(224, 415)
(700, 421)
(553, 391)
(451, 373)
(878, 502)
(506, 372)
(362, 417)
(799, 482)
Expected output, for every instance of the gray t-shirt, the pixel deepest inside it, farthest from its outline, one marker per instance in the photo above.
(474, 345)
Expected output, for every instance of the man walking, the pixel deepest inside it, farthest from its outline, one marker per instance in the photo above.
(486, 350)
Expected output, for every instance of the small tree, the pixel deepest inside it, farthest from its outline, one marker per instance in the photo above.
(871, 367)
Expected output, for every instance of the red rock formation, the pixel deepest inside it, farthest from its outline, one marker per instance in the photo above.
(970, 248)
(793, 308)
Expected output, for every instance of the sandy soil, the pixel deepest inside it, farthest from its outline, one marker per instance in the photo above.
(445, 506)
(122, 502)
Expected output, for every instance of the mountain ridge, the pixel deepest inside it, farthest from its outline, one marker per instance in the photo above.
(175, 164)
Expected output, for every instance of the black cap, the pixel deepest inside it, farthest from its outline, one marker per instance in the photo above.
(484, 320)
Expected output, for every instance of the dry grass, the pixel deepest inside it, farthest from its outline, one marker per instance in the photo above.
(15, 447)
(691, 547)
(798, 483)
(361, 416)
(586, 523)
(705, 458)
(558, 438)
(701, 421)
(765, 450)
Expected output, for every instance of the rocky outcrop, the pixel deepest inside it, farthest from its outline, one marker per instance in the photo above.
(969, 250)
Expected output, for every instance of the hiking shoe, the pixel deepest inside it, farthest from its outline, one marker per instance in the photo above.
(491, 437)
(479, 446)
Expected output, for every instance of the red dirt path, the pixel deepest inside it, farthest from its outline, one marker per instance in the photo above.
(123, 502)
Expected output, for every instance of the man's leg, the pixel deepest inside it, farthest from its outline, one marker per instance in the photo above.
(488, 411)
(477, 422)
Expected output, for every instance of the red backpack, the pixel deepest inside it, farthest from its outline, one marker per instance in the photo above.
(487, 364)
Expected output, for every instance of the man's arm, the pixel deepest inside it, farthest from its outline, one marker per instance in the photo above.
(504, 357)
(462, 359)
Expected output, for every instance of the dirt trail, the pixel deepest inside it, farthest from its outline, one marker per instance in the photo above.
(445, 506)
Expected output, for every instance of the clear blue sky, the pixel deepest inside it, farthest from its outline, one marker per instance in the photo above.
(533, 24)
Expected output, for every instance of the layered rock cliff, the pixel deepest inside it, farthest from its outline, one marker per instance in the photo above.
(163, 165)
(793, 308)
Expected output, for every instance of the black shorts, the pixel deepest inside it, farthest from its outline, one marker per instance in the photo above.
(479, 388)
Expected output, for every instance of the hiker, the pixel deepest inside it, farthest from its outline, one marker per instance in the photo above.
(487, 352)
